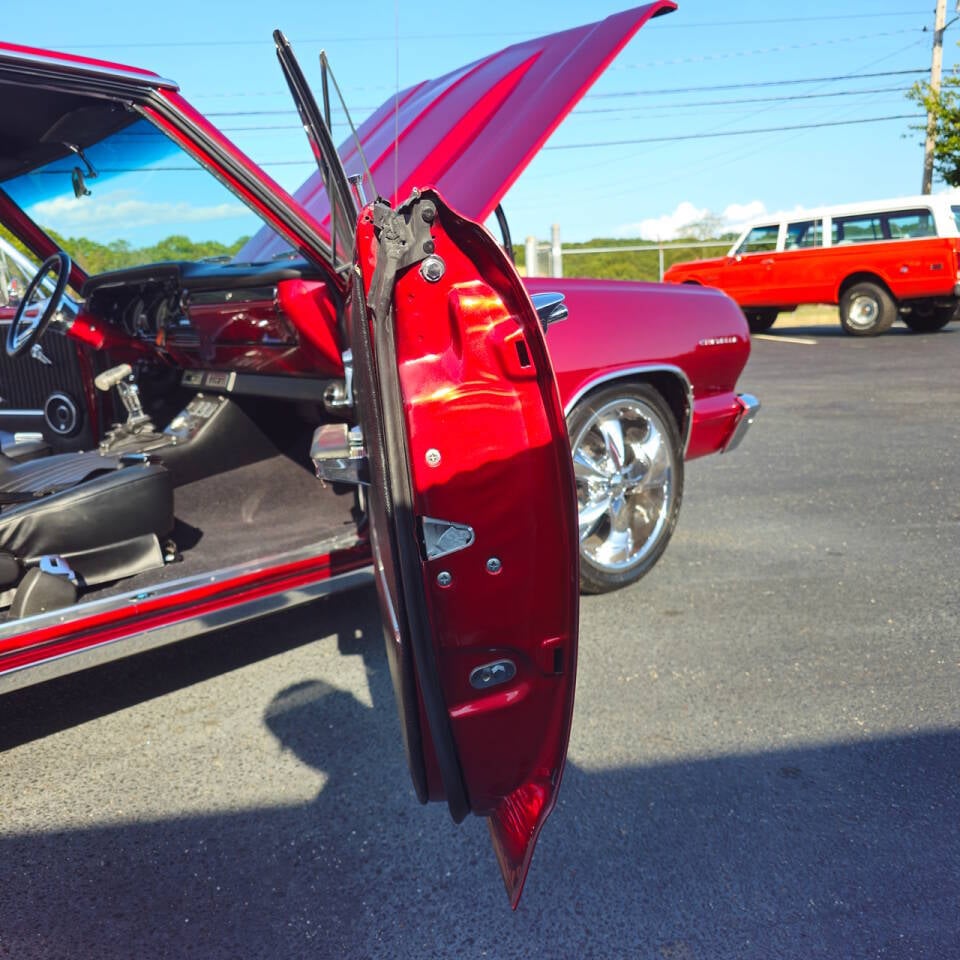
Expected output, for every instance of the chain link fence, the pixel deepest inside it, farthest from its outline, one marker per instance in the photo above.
(629, 260)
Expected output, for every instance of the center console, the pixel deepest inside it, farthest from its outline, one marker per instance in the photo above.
(209, 435)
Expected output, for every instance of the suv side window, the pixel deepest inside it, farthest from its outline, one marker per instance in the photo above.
(911, 223)
(857, 229)
(760, 239)
(804, 233)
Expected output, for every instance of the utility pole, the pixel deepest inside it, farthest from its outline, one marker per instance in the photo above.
(936, 66)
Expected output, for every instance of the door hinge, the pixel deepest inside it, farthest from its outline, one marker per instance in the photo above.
(338, 454)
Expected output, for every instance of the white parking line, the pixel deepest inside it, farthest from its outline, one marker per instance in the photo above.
(805, 341)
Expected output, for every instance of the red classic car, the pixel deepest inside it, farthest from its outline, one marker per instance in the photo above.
(164, 421)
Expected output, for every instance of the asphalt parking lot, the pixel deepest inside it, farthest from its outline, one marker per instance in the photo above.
(765, 760)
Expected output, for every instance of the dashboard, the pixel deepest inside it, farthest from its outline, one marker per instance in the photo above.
(274, 317)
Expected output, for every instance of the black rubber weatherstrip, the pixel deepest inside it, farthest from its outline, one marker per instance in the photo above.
(388, 461)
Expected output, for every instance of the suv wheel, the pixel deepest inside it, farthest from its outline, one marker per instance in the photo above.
(866, 310)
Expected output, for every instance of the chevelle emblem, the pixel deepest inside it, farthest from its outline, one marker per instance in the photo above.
(36, 351)
(717, 341)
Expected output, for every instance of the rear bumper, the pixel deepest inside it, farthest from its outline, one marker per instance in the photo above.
(749, 408)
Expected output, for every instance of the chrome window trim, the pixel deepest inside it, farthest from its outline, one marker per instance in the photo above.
(44, 61)
(624, 374)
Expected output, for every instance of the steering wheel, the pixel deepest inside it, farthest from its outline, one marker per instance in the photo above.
(24, 331)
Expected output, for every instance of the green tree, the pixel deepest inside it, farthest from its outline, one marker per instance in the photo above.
(944, 105)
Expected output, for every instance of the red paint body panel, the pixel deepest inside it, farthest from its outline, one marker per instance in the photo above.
(485, 437)
(616, 326)
(471, 132)
(912, 269)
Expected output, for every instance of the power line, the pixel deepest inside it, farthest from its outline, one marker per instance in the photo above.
(756, 83)
(379, 38)
(782, 48)
(728, 103)
(592, 110)
(618, 111)
(728, 133)
(622, 93)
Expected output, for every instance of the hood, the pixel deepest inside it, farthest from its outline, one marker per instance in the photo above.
(472, 132)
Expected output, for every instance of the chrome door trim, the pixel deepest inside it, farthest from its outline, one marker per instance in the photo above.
(140, 642)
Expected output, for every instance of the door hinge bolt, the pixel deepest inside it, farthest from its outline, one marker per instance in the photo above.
(433, 268)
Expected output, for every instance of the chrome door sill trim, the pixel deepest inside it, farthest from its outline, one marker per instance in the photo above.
(144, 640)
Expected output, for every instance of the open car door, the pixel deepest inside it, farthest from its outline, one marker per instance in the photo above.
(472, 505)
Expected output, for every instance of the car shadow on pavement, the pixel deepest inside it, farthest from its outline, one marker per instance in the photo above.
(830, 851)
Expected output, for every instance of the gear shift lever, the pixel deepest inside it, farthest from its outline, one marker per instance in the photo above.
(138, 425)
(121, 377)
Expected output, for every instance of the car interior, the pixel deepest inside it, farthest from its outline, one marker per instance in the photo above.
(156, 417)
(182, 448)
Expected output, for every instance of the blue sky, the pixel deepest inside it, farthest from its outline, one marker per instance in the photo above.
(222, 56)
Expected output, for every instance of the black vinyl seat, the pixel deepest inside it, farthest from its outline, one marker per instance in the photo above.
(104, 515)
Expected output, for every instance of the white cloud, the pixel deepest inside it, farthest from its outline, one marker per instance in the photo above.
(736, 216)
(121, 208)
(669, 226)
(665, 227)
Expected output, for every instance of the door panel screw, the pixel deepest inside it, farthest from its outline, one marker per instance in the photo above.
(494, 565)
(444, 579)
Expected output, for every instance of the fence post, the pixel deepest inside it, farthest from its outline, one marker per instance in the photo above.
(531, 256)
(556, 252)
(660, 258)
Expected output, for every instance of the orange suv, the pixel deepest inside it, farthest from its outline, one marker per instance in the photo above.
(877, 261)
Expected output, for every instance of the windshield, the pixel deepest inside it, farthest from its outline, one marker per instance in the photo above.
(129, 198)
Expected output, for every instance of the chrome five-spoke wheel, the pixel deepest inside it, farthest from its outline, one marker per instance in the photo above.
(628, 464)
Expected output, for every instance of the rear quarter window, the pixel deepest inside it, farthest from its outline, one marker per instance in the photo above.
(911, 223)
(895, 225)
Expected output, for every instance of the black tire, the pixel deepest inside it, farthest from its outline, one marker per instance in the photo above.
(929, 317)
(867, 310)
(628, 510)
(760, 320)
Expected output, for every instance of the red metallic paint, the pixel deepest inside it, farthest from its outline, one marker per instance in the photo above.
(472, 132)
(312, 310)
(487, 447)
(611, 329)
